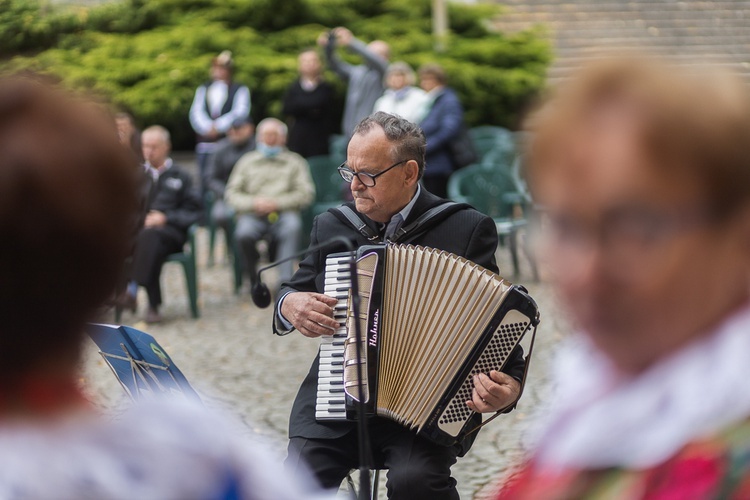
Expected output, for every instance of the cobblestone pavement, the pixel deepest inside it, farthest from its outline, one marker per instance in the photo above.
(234, 361)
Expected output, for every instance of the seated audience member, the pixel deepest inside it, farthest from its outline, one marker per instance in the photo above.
(267, 189)
(174, 206)
(643, 170)
(401, 97)
(309, 103)
(442, 122)
(240, 140)
(67, 198)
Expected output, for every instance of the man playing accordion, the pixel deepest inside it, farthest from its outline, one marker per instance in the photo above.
(385, 161)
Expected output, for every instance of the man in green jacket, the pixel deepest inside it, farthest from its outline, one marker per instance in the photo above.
(267, 189)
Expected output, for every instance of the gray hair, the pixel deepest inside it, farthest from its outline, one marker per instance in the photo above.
(402, 68)
(407, 139)
(273, 122)
(163, 132)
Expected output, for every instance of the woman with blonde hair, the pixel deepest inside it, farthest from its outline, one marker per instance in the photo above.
(643, 172)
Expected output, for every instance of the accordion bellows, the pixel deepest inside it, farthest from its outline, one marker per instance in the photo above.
(429, 321)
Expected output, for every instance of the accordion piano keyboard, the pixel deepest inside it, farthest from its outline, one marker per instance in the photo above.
(330, 403)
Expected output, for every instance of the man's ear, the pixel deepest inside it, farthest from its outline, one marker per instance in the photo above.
(412, 173)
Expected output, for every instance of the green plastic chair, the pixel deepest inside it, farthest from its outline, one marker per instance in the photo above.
(328, 192)
(487, 138)
(492, 192)
(213, 228)
(325, 175)
(337, 148)
(186, 258)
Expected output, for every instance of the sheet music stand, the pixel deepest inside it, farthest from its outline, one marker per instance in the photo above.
(141, 365)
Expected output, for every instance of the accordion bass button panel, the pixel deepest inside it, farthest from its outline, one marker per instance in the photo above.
(331, 404)
(511, 329)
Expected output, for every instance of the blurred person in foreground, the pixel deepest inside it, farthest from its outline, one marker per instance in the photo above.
(643, 170)
(309, 104)
(67, 197)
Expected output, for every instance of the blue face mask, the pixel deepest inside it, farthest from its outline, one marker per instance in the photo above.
(269, 151)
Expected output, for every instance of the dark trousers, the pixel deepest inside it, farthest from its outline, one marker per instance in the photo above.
(202, 161)
(152, 247)
(417, 468)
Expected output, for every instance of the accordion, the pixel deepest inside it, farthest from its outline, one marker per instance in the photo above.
(429, 321)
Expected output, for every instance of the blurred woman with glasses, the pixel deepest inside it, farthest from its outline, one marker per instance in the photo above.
(643, 171)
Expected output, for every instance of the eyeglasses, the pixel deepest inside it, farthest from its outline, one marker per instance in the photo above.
(629, 237)
(366, 179)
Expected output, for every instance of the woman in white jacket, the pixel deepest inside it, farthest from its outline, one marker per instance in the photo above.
(401, 96)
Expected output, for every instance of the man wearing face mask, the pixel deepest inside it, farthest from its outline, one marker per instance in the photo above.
(267, 189)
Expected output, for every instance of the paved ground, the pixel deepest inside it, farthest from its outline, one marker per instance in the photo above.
(234, 361)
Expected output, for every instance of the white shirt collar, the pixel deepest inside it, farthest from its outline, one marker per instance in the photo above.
(407, 209)
(600, 420)
(156, 172)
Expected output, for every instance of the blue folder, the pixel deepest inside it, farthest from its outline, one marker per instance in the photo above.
(141, 365)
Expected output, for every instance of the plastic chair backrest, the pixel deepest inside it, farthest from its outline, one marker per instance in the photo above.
(326, 178)
(484, 189)
(487, 138)
(337, 148)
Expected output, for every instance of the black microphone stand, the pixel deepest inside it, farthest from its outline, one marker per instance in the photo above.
(365, 456)
(262, 298)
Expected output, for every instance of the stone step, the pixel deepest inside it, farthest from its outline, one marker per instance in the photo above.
(518, 22)
(714, 34)
(564, 67)
(610, 6)
(582, 18)
(612, 39)
(652, 32)
(578, 57)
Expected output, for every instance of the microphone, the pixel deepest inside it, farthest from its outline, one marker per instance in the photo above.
(260, 293)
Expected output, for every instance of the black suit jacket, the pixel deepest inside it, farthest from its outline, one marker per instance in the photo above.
(466, 232)
(174, 195)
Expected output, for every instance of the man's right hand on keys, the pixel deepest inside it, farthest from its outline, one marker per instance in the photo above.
(310, 313)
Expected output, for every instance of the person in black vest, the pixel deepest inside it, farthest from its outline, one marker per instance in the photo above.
(215, 106)
(308, 103)
(385, 160)
(172, 208)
